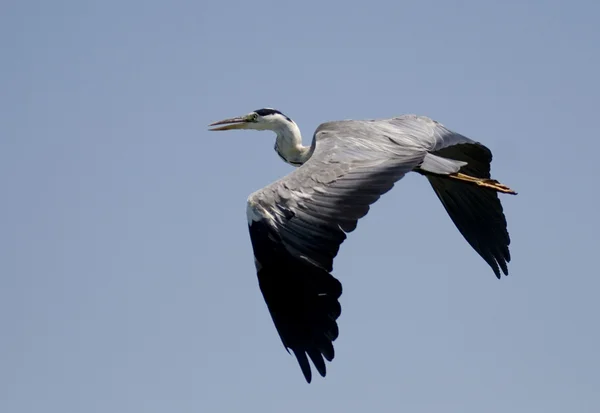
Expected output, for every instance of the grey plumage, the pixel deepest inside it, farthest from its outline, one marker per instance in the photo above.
(298, 223)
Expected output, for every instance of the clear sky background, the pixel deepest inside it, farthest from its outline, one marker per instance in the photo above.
(127, 282)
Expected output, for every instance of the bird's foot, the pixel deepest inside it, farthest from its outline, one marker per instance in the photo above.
(484, 182)
(493, 184)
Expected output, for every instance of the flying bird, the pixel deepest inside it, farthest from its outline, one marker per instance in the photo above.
(298, 223)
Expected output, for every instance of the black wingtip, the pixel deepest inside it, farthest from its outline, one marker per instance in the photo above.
(302, 299)
(318, 361)
(499, 275)
(304, 365)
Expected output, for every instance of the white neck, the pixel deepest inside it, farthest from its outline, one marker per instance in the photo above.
(288, 144)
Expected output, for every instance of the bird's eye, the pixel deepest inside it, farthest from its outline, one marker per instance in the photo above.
(254, 117)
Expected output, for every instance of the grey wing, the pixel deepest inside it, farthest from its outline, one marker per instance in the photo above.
(298, 223)
(476, 212)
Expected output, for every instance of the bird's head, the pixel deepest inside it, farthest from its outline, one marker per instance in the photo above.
(261, 119)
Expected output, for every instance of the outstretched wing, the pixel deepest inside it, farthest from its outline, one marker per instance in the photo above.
(298, 223)
(476, 212)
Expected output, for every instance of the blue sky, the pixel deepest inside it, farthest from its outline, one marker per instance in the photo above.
(126, 271)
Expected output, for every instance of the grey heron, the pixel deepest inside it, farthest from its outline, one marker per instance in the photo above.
(298, 223)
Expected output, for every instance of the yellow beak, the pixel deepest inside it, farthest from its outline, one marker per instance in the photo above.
(233, 123)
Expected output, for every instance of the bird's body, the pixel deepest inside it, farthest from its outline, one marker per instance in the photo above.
(298, 223)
